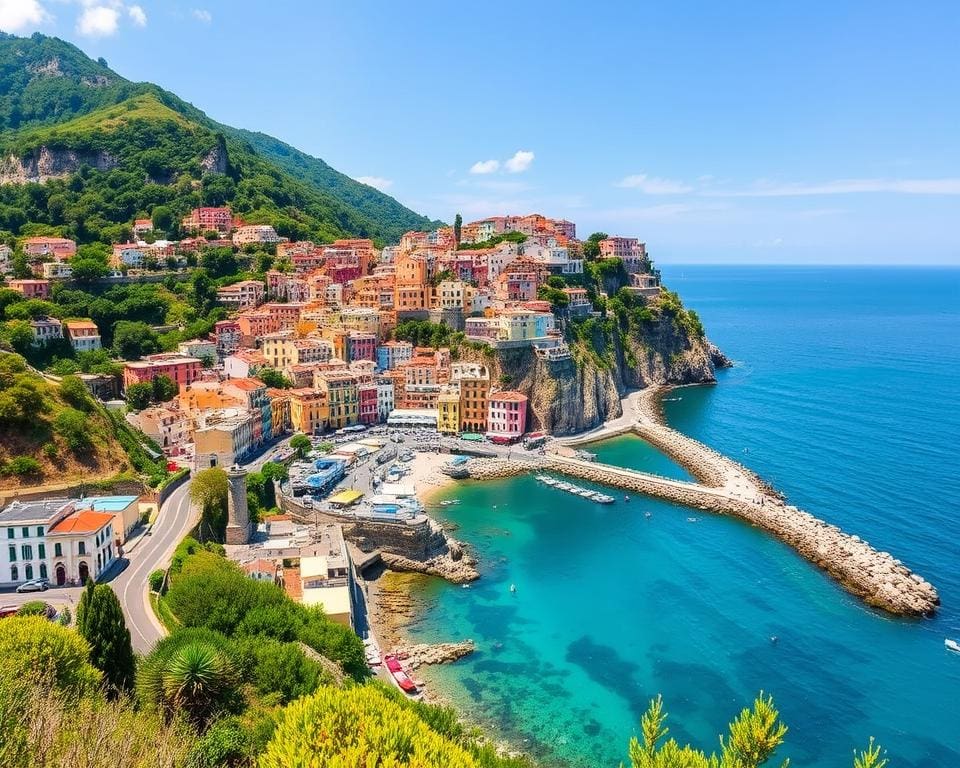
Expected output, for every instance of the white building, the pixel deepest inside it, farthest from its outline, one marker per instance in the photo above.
(46, 329)
(51, 539)
(56, 270)
(255, 233)
(246, 293)
(198, 348)
(84, 335)
(385, 398)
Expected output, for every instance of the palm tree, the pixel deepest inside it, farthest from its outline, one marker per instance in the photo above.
(196, 679)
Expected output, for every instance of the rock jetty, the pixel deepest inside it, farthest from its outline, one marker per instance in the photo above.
(415, 656)
(727, 488)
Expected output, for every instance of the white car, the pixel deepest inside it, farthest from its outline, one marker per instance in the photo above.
(36, 585)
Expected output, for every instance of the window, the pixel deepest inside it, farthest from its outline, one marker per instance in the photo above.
(39, 530)
(27, 551)
(11, 533)
(42, 551)
(26, 532)
(28, 572)
(14, 575)
(13, 553)
(82, 548)
(43, 570)
(58, 550)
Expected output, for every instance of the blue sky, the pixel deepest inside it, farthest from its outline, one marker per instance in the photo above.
(815, 132)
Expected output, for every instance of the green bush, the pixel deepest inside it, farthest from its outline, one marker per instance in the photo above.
(156, 580)
(75, 392)
(33, 608)
(34, 649)
(21, 466)
(73, 426)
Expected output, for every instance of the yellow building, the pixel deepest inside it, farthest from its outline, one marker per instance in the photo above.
(340, 389)
(473, 403)
(448, 412)
(309, 412)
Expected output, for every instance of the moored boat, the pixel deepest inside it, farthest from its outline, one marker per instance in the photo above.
(952, 645)
(392, 663)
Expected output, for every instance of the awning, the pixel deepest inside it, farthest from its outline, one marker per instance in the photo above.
(473, 437)
(346, 498)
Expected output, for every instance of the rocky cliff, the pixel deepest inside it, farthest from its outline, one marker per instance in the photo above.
(44, 164)
(663, 345)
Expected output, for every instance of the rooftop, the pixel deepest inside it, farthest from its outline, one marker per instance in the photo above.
(29, 511)
(85, 521)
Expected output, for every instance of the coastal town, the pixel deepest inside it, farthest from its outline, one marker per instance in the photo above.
(363, 375)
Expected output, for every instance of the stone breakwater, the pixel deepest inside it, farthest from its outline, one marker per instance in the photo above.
(726, 488)
(414, 656)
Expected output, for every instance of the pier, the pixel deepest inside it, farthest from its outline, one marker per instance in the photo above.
(725, 487)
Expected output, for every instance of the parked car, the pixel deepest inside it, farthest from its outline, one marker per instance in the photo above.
(36, 585)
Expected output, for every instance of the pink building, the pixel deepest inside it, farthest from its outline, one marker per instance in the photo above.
(367, 402)
(630, 249)
(183, 370)
(286, 315)
(31, 289)
(287, 287)
(506, 416)
(362, 346)
(59, 247)
(516, 286)
(209, 220)
(246, 293)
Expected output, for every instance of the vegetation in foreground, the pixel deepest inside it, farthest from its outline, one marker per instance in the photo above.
(250, 678)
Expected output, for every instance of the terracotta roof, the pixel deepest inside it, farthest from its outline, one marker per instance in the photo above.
(513, 397)
(248, 385)
(85, 521)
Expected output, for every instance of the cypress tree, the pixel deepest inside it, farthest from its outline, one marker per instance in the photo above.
(100, 621)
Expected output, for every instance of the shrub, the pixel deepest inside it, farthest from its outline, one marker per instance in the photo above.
(21, 466)
(275, 667)
(72, 425)
(357, 726)
(75, 392)
(36, 650)
(156, 580)
(50, 450)
(33, 608)
(226, 743)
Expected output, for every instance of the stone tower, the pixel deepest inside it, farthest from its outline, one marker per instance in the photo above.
(238, 518)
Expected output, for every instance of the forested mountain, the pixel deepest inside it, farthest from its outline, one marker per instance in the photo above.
(108, 149)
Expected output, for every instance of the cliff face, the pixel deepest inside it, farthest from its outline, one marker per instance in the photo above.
(44, 164)
(580, 393)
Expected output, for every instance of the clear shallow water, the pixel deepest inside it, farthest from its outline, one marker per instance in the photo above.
(845, 396)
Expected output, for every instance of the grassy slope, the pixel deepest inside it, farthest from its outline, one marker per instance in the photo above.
(105, 459)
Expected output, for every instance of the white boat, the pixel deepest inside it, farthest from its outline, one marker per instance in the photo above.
(952, 645)
(564, 486)
(602, 498)
(449, 502)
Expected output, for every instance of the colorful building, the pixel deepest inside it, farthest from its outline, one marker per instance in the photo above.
(506, 415)
(183, 370)
(84, 335)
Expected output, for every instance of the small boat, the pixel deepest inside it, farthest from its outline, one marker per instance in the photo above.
(449, 502)
(626, 498)
(952, 645)
(406, 684)
(563, 486)
(602, 498)
(585, 492)
(648, 515)
(513, 587)
(693, 519)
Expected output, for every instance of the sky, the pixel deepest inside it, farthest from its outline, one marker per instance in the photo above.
(734, 132)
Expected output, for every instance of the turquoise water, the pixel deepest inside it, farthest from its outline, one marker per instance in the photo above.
(844, 396)
(631, 451)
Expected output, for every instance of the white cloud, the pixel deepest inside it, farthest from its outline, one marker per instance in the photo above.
(137, 15)
(202, 15)
(653, 185)
(377, 182)
(520, 161)
(98, 21)
(17, 15)
(485, 166)
(764, 188)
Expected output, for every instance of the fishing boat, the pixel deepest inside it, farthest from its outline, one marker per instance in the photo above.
(952, 645)
(393, 665)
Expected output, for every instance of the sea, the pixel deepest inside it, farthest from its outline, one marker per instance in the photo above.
(844, 395)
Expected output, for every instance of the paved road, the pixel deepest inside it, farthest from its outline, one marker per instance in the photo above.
(173, 522)
(175, 519)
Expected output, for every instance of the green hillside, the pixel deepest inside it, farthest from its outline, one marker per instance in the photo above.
(52, 96)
